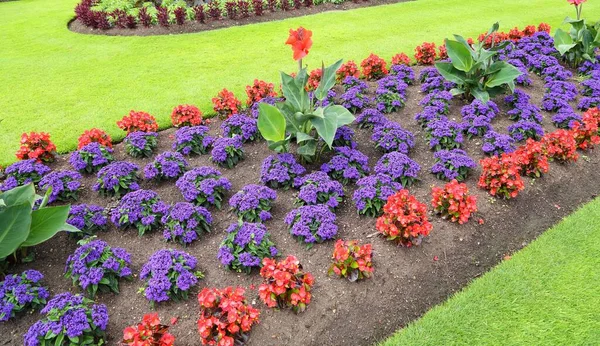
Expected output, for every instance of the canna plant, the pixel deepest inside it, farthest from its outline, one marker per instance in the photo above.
(582, 40)
(476, 71)
(300, 116)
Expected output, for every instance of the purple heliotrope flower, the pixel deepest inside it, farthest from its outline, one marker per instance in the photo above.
(591, 87)
(312, 223)
(587, 66)
(390, 136)
(343, 137)
(254, 111)
(192, 140)
(370, 117)
(89, 218)
(19, 292)
(95, 265)
(22, 173)
(567, 90)
(169, 274)
(403, 72)
(524, 78)
(355, 100)
(495, 143)
(203, 186)
(554, 102)
(556, 73)
(399, 167)
(388, 101)
(346, 165)
(566, 118)
(91, 158)
(372, 193)
(253, 203)
(443, 134)
(280, 170)
(352, 82)
(525, 111)
(477, 117)
(227, 152)
(240, 125)
(140, 143)
(516, 98)
(588, 102)
(393, 84)
(439, 100)
(452, 164)
(185, 222)
(523, 129)
(431, 80)
(319, 188)
(65, 185)
(141, 209)
(117, 179)
(245, 245)
(429, 114)
(168, 165)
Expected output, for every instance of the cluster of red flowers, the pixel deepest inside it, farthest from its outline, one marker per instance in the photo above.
(186, 115)
(138, 121)
(258, 91)
(285, 284)
(314, 78)
(94, 135)
(531, 159)
(225, 316)
(454, 201)
(545, 27)
(348, 69)
(148, 333)
(514, 34)
(404, 219)
(351, 260)
(425, 53)
(226, 104)
(373, 67)
(560, 145)
(36, 145)
(400, 59)
(500, 176)
(586, 131)
(443, 52)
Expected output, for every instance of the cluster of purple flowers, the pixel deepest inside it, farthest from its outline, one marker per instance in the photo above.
(399, 167)
(590, 91)
(567, 90)
(566, 118)
(253, 203)
(344, 137)
(319, 188)
(355, 100)
(452, 164)
(346, 165)
(141, 209)
(523, 129)
(245, 245)
(117, 179)
(524, 78)
(403, 72)
(328, 100)
(373, 192)
(312, 223)
(554, 102)
(192, 140)
(495, 143)
(477, 117)
(185, 222)
(390, 136)
(587, 67)
(443, 134)
(65, 185)
(254, 111)
(96, 266)
(240, 125)
(280, 170)
(440, 100)
(227, 152)
(140, 143)
(525, 111)
(169, 274)
(388, 101)
(432, 80)
(19, 292)
(203, 186)
(69, 317)
(370, 118)
(89, 218)
(351, 82)
(91, 158)
(22, 173)
(166, 166)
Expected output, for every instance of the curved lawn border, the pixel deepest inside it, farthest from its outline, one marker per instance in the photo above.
(546, 294)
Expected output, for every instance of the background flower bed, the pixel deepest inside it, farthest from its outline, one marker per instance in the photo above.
(463, 252)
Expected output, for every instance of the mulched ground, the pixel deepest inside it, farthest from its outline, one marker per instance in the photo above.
(212, 24)
(407, 282)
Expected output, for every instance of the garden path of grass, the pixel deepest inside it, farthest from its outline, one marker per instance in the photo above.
(54, 80)
(546, 294)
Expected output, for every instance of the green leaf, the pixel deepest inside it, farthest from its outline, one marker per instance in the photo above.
(15, 222)
(450, 73)
(291, 91)
(326, 127)
(507, 73)
(563, 42)
(308, 149)
(327, 80)
(481, 95)
(19, 195)
(460, 55)
(45, 223)
(271, 123)
(291, 124)
(302, 137)
(343, 116)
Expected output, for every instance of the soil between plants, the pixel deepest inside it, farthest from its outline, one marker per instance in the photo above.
(212, 24)
(406, 282)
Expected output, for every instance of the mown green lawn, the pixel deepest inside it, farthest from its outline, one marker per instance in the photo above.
(547, 294)
(54, 80)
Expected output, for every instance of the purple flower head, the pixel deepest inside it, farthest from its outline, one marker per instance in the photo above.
(516, 98)
(88, 218)
(591, 87)
(392, 84)
(523, 129)
(140, 143)
(389, 101)
(65, 185)
(372, 193)
(245, 246)
(566, 118)
(343, 137)
(185, 222)
(452, 164)
(392, 137)
(428, 72)
(495, 143)
(444, 134)
(20, 292)
(567, 90)
(587, 66)
(588, 102)
(346, 165)
(117, 179)
(168, 165)
(525, 111)
(554, 102)
(319, 188)
(280, 170)
(312, 223)
(253, 203)
(203, 186)
(538, 63)
(91, 158)
(440, 100)
(227, 152)
(524, 78)
(192, 140)
(556, 73)
(399, 167)
(240, 125)
(430, 113)
(403, 72)
(354, 100)
(22, 173)
(477, 117)
(370, 117)
(352, 82)
(141, 209)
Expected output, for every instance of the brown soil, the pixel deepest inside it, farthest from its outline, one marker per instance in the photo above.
(212, 24)
(407, 282)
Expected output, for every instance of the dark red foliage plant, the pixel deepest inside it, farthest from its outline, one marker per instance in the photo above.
(101, 20)
(199, 14)
(244, 7)
(297, 4)
(285, 5)
(144, 17)
(257, 6)
(84, 13)
(214, 9)
(231, 8)
(163, 16)
(272, 5)
(308, 3)
(179, 15)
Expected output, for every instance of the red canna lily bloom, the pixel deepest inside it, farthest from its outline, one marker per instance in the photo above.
(576, 2)
(301, 41)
